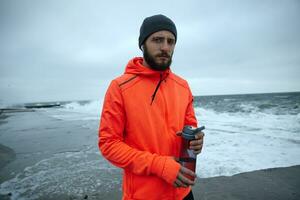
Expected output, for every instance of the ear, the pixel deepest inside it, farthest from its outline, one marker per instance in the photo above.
(142, 47)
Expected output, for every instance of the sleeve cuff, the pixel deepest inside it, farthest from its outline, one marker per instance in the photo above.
(170, 170)
(158, 164)
(166, 168)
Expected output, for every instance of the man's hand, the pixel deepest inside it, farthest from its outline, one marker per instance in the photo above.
(182, 180)
(196, 144)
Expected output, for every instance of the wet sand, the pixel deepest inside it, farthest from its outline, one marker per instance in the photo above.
(275, 184)
(6, 155)
(29, 139)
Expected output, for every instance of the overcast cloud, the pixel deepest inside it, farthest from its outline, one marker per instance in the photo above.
(71, 50)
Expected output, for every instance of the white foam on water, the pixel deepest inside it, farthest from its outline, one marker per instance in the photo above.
(248, 108)
(74, 174)
(77, 111)
(242, 142)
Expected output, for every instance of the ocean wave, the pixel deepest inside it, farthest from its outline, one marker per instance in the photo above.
(255, 103)
(234, 141)
(78, 110)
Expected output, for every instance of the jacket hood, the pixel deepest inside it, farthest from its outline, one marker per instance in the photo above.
(135, 66)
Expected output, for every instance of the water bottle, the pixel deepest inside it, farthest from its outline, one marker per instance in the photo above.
(187, 158)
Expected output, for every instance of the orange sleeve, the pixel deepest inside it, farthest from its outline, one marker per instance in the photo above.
(190, 118)
(113, 148)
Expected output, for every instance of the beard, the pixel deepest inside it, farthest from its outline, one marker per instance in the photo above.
(150, 59)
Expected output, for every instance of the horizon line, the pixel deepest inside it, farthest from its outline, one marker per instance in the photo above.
(82, 100)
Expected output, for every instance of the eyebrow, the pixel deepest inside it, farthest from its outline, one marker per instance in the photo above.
(162, 37)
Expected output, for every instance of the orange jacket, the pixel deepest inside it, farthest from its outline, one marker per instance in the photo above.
(142, 111)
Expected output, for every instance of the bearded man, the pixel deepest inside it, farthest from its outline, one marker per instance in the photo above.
(142, 111)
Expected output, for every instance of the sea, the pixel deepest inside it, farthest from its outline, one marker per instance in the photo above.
(243, 133)
(248, 132)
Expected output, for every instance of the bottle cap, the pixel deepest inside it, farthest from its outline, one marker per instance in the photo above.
(189, 132)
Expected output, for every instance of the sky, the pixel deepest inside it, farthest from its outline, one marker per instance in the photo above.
(56, 50)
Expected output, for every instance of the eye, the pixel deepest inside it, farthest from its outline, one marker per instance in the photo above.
(158, 39)
(171, 41)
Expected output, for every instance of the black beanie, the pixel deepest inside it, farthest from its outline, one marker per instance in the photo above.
(156, 23)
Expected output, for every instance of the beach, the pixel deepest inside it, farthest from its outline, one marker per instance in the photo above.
(46, 157)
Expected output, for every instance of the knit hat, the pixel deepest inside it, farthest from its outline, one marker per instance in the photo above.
(156, 23)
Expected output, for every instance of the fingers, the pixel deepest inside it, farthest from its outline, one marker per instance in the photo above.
(185, 182)
(182, 180)
(197, 149)
(179, 183)
(199, 135)
(197, 144)
(184, 170)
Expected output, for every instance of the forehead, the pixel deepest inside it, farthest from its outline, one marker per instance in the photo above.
(163, 33)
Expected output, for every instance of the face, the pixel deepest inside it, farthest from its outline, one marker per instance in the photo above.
(158, 50)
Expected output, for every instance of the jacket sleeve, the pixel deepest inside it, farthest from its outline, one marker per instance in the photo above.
(113, 148)
(190, 118)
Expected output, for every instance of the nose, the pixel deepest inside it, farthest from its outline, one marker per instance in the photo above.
(165, 46)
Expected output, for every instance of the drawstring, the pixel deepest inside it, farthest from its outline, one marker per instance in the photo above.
(154, 94)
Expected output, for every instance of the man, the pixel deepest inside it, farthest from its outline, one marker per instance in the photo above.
(143, 112)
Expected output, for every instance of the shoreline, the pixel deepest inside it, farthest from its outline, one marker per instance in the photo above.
(273, 183)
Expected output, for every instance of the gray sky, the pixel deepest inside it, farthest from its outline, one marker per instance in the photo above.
(71, 50)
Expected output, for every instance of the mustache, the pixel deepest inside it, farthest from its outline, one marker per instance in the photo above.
(163, 54)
